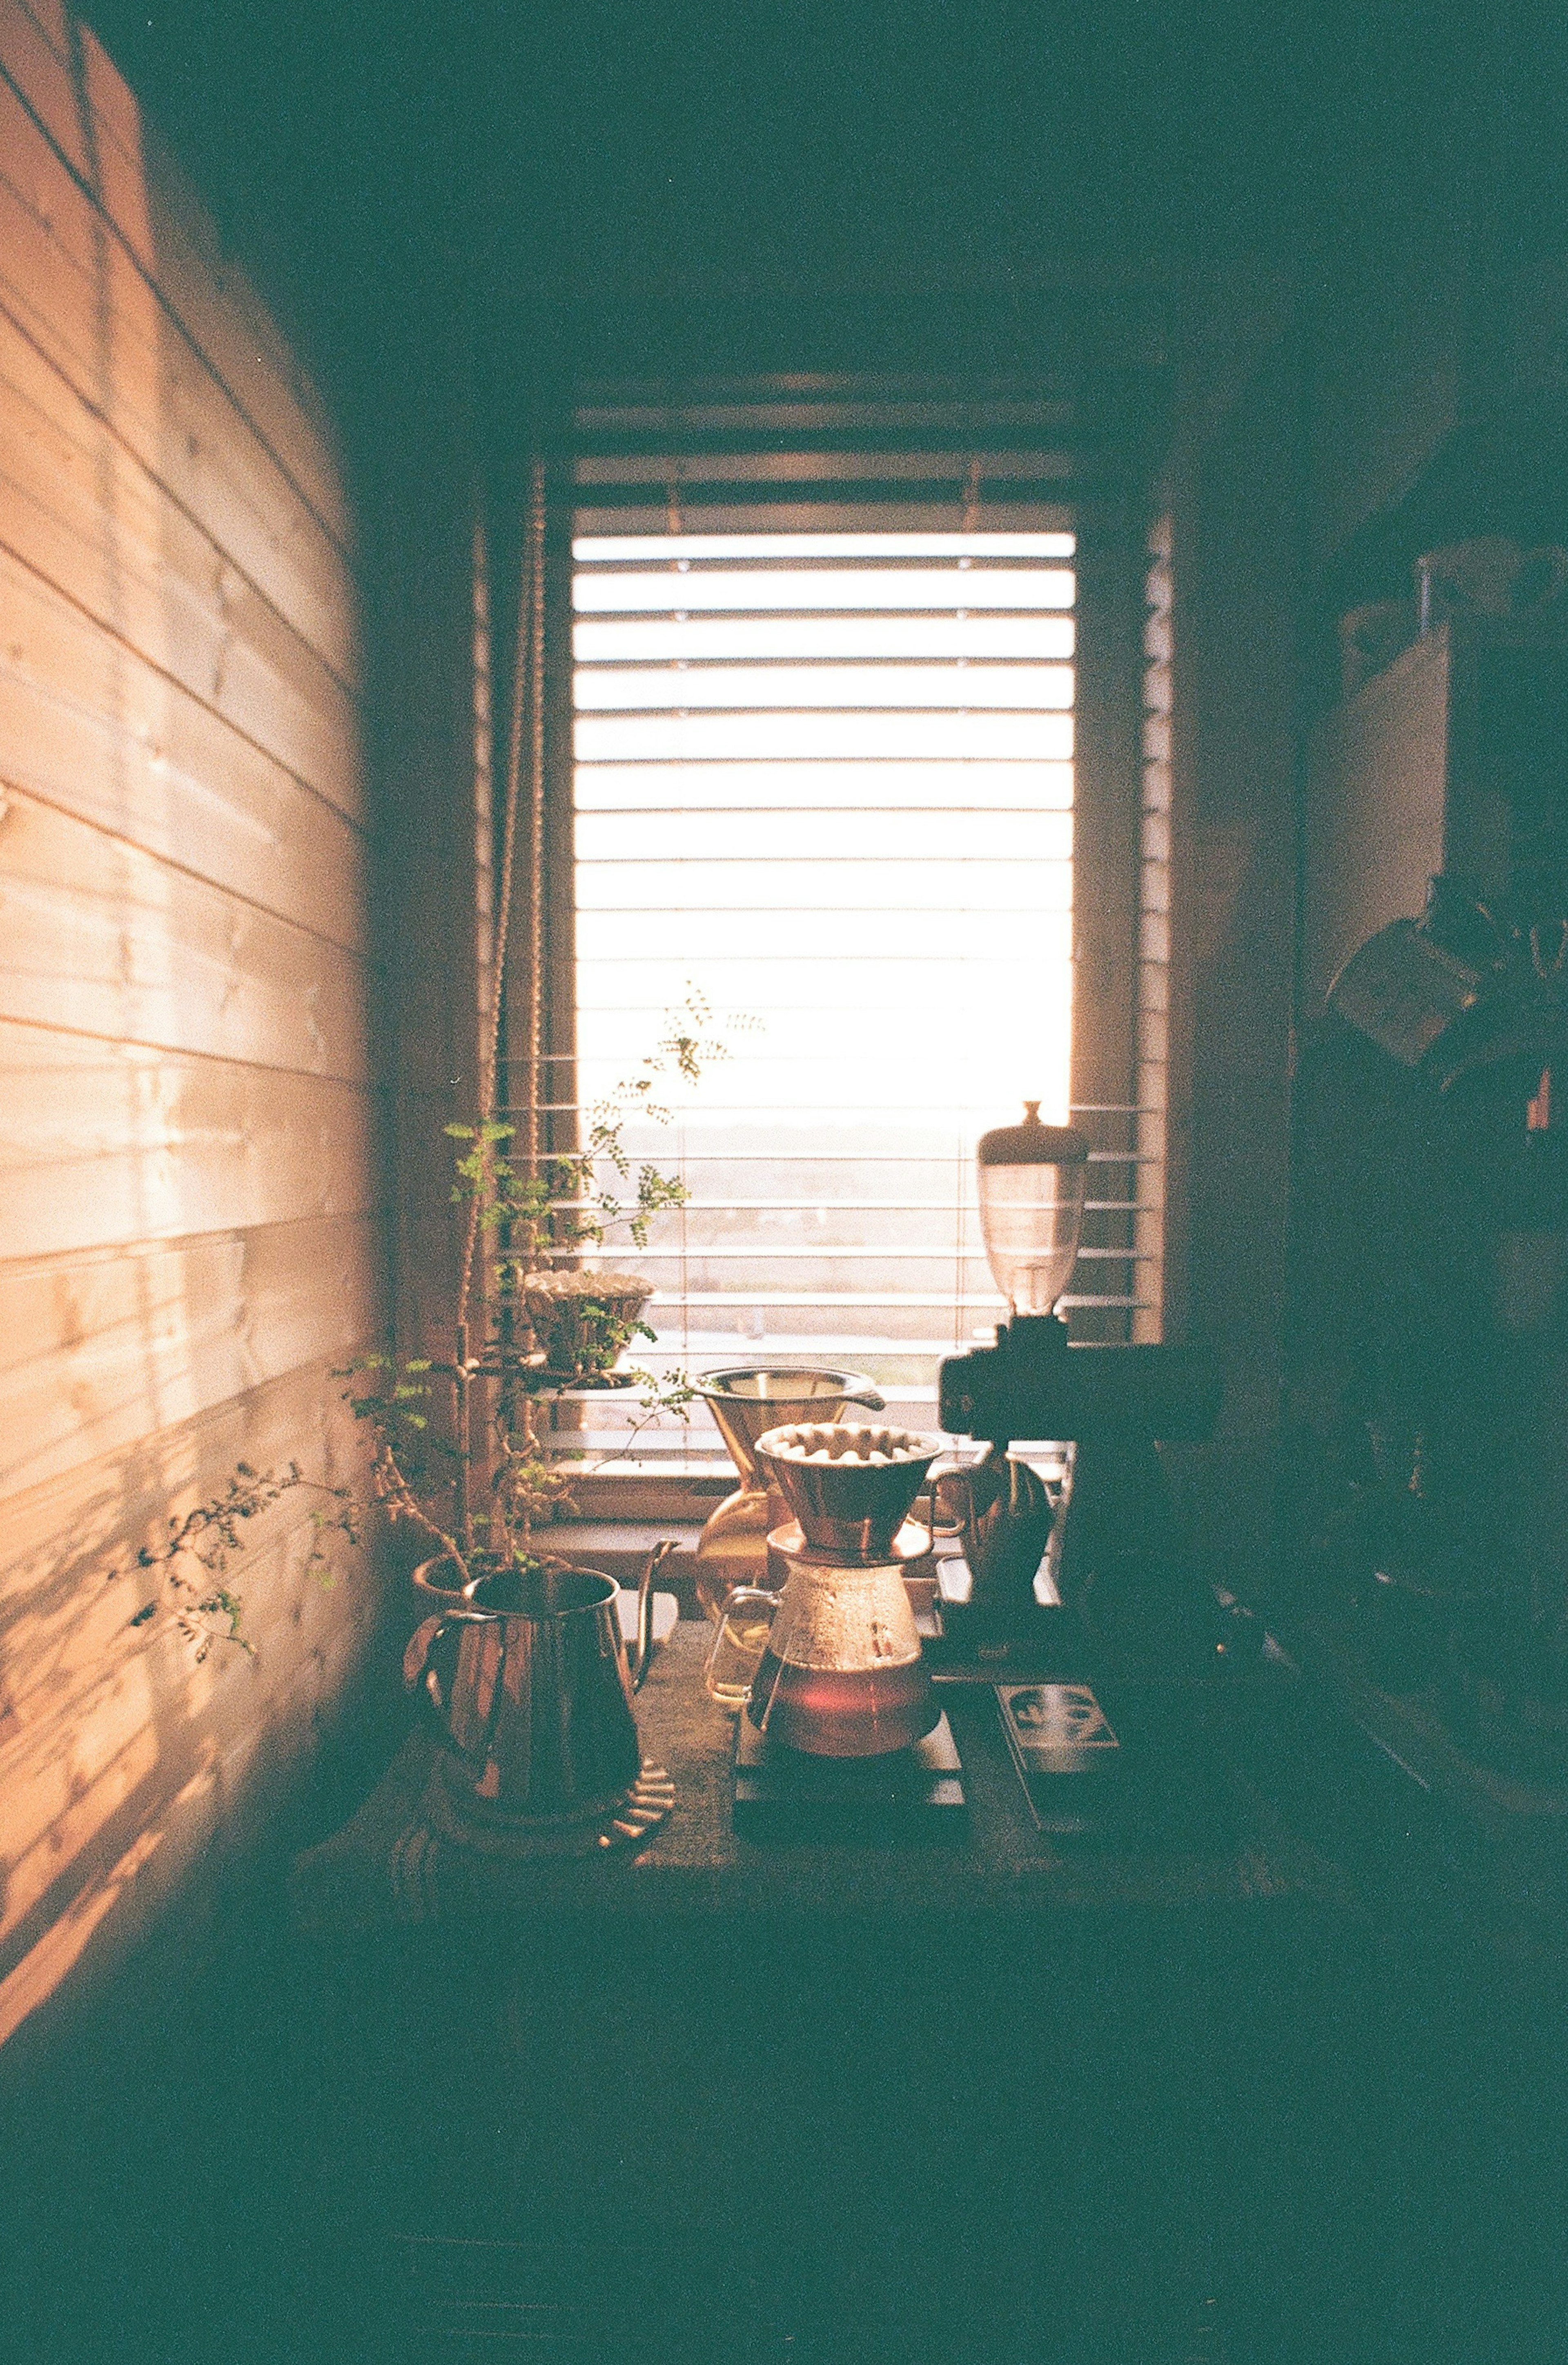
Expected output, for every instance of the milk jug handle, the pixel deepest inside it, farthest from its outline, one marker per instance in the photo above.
(421, 1641)
(420, 1674)
(949, 1468)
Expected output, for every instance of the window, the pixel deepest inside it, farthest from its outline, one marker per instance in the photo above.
(826, 778)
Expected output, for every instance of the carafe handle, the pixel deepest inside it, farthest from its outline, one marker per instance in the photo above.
(952, 1500)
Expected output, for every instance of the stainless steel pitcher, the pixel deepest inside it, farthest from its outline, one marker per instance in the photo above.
(531, 1688)
(1003, 1512)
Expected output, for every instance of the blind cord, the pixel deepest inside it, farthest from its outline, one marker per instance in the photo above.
(527, 694)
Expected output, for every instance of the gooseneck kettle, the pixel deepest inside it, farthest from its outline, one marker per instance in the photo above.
(531, 1688)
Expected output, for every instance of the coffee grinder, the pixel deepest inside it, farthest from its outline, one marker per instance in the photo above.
(1107, 1544)
(843, 1733)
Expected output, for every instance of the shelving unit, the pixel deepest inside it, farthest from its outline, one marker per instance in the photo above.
(1427, 768)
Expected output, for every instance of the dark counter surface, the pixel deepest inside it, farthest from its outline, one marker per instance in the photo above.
(401, 1859)
(946, 2104)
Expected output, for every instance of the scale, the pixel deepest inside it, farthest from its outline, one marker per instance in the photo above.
(915, 1793)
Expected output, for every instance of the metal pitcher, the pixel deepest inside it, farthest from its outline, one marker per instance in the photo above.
(532, 1688)
(1003, 1512)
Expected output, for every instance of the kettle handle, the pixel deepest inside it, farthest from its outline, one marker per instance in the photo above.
(420, 1675)
(953, 1465)
(942, 1471)
(640, 1657)
(952, 1475)
(871, 1399)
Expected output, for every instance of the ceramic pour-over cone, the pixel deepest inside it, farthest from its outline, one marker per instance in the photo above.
(746, 1401)
(850, 1489)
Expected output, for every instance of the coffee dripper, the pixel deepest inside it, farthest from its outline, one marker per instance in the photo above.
(746, 1401)
(842, 1675)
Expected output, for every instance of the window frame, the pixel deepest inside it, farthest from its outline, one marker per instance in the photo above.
(1110, 843)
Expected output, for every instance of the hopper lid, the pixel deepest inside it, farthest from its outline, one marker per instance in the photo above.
(1032, 1143)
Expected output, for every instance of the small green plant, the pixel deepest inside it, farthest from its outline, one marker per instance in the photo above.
(554, 1202)
(477, 1482)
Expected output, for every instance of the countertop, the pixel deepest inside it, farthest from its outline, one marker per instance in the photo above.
(398, 1861)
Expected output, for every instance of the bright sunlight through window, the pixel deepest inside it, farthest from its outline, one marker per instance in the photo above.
(825, 781)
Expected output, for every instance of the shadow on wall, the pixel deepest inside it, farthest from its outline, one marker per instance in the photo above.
(116, 1746)
(189, 1226)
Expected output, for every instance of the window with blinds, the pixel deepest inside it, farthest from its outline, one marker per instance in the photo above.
(825, 782)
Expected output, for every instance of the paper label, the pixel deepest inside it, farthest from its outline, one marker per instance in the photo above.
(1046, 1723)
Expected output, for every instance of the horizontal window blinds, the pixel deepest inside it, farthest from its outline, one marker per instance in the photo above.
(825, 782)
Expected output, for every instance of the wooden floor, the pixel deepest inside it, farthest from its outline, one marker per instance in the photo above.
(843, 2143)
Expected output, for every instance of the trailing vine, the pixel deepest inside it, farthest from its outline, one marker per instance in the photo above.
(458, 1456)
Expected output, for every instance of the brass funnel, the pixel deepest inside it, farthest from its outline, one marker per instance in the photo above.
(746, 1401)
(749, 1400)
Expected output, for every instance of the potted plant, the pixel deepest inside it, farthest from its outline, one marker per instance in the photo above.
(463, 1452)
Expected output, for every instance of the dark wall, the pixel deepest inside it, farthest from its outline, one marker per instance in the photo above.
(1401, 382)
(1236, 525)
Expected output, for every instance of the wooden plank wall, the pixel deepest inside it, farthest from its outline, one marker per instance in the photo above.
(188, 1213)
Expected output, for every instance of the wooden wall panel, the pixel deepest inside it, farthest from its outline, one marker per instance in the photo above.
(190, 1228)
(88, 725)
(101, 1348)
(70, 1582)
(105, 1143)
(84, 301)
(106, 940)
(100, 1823)
(78, 509)
(93, 120)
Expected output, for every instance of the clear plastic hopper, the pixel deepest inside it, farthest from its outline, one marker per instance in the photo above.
(1031, 1180)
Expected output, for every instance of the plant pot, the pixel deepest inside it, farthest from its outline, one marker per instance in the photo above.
(583, 1322)
(440, 1580)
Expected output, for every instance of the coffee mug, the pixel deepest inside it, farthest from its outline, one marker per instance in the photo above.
(1488, 576)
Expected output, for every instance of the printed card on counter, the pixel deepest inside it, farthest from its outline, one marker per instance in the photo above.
(1063, 1745)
